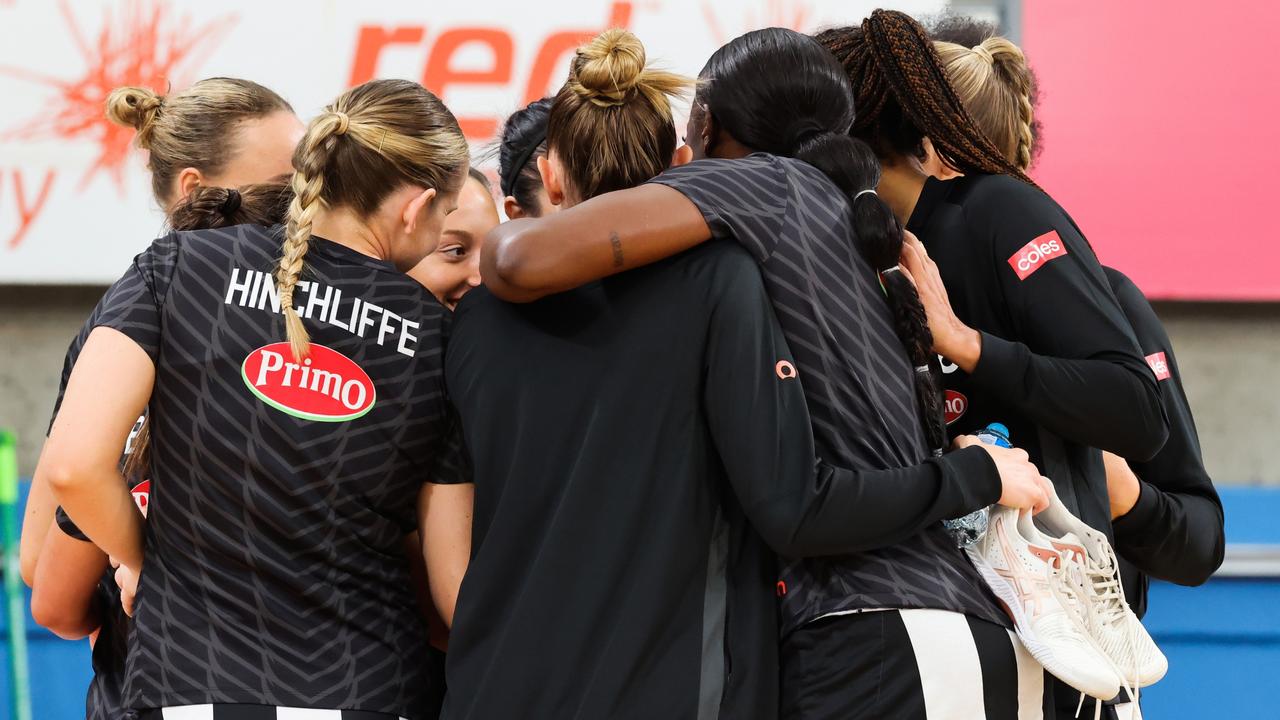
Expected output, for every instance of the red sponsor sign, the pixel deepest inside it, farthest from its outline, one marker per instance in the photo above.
(1033, 256)
(326, 386)
(1159, 365)
(954, 406)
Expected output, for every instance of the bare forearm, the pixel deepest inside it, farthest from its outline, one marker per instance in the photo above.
(66, 580)
(99, 503)
(35, 525)
(523, 260)
(444, 520)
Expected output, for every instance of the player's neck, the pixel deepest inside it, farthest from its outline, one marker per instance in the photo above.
(344, 227)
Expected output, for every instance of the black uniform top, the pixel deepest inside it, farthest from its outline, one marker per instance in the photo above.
(1060, 365)
(1174, 532)
(104, 698)
(860, 389)
(274, 572)
(634, 440)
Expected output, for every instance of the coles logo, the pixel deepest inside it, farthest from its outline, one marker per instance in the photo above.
(326, 386)
(1159, 365)
(954, 406)
(142, 495)
(1033, 256)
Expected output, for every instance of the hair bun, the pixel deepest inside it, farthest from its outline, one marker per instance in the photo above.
(135, 107)
(608, 67)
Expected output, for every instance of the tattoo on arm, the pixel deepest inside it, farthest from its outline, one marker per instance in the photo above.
(616, 242)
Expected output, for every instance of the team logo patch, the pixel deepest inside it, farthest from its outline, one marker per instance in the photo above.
(142, 495)
(954, 406)
(1159, 366)
(785, 370)
(1035, 254)
(326, 386)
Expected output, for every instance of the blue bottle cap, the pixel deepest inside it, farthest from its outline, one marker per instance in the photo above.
(998, 429)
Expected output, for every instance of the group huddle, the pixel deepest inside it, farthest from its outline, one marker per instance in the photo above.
(745, 421)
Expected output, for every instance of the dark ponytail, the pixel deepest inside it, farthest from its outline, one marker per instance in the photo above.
(780, 92)
(207, 208)
(853, 167)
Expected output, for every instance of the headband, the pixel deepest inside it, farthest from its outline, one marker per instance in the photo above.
(517, 166)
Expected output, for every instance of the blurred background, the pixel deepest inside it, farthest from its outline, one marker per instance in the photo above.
(1156, 138)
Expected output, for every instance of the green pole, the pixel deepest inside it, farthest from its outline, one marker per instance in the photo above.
(20, 689)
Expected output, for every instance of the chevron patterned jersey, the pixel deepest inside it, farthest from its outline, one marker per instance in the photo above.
(282, 487)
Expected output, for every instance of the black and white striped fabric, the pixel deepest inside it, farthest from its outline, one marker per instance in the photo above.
(911, 665)
(257, 712)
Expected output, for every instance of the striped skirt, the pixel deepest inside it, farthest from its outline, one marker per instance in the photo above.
(913, 665)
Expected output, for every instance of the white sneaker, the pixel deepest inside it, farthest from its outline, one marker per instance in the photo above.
(1110, 621)
(1027, 574)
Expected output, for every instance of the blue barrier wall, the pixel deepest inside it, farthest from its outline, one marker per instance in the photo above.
(1223, 639)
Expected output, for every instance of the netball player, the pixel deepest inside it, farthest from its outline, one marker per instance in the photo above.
(220, 130)
(522, 142)
(1032, 333)
(778, 91)
(1165, 512)
(454, 267)
(289, 456)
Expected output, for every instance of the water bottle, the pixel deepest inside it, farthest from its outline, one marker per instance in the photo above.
(970, 528)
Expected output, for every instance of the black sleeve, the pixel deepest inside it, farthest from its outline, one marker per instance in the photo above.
(1175, 531)
(132, 305)
(1074, 367)
(68, 526)
(743, 200)
(800, 505)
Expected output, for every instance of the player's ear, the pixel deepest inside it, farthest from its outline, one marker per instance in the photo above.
(551, 171)
(512, 208)
(682, 156)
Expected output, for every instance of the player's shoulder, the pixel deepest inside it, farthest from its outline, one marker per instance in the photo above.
(1014, 216)
(245, 241)
(718, 270)
(1120, 283)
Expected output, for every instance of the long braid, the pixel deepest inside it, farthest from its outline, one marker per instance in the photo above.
(1026, 136)
(890, 57)
(1010, 66)
(780, 92)
(308, 183)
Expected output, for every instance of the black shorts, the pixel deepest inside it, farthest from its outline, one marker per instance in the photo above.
(910, 665)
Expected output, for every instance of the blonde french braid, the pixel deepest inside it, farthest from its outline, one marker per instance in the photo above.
(308, 184)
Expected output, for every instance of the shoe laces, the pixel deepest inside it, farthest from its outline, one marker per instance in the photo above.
(1107, 594)
(1065, 583)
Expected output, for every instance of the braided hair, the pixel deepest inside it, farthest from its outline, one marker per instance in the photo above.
(993, 79)
(903, 95)
(372, 139)
(778, 91)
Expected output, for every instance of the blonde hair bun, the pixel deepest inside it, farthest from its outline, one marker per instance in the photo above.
(608, 67)
(135, 107)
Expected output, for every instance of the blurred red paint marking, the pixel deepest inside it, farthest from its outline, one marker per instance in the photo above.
(28, 208)
(143, 44)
